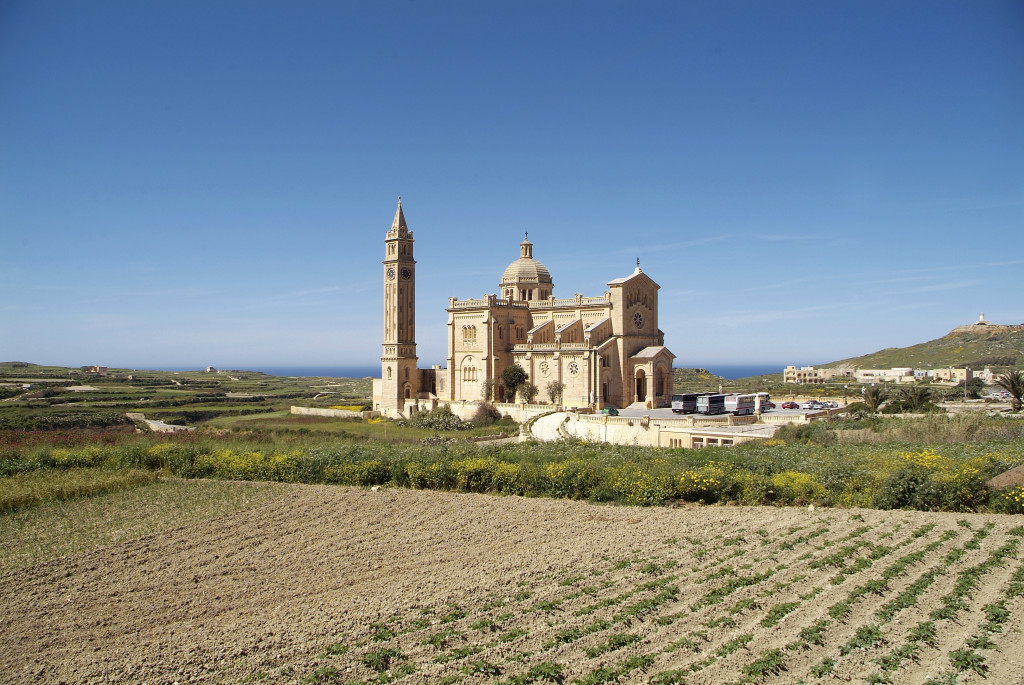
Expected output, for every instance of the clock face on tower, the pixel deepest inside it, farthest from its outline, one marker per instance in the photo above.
(391, 273)
(638, 320)
(407, 273)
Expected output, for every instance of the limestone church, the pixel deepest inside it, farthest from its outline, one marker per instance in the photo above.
(606, 350)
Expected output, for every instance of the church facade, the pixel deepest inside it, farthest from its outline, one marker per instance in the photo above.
(598, 351)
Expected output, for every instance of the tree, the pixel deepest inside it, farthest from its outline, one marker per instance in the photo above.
(916, 398)
(1013, 383)
(529, 391)
(874, 397)
(512, 377)
(487, 389)
(974, 388)
(555, 390)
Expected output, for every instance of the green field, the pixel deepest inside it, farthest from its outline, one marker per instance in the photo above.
(57, 444)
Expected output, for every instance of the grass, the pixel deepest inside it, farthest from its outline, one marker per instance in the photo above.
(950, 478)
(59, 528)
(24, 490)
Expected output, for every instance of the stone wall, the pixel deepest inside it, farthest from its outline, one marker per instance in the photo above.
(334, 413)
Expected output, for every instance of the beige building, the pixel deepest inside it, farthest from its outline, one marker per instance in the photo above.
(894, 375)
(813, 376)
(952, 375)
(605, 350)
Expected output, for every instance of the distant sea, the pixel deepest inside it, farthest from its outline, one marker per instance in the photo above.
(728, 371)
(731, 371)
(330, 371)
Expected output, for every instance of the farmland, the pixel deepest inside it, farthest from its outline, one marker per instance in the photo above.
(313, 583)
(267, 547)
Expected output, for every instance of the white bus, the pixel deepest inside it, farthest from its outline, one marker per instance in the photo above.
(740, 405)
(762, 402)
(711, 404)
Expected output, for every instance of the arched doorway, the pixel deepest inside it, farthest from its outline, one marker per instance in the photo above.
(641, 386)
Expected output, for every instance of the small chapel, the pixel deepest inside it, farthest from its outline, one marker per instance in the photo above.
(600, 351)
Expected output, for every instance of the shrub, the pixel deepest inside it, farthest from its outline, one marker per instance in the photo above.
(858, 410)
(792, 487)
(475, 474)
(251, 465)
(508, 479)
(641, 488)
(441, 418)
(438, 475)
(485, 415)
(910, 487)
(573, 478)
(369, 472)
(814, 433)
(713, 482)
(1011, 501)
(962, 489)
(755, 489)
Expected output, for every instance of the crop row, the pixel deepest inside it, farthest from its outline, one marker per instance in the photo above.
(640, 614)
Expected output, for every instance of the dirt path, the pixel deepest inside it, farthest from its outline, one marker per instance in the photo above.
(319, 583)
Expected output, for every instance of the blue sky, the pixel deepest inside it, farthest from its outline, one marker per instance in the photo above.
(191, 183)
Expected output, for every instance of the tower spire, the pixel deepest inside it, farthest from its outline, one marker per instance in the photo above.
(399, 223)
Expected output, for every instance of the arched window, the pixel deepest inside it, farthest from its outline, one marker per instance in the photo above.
(389, 373)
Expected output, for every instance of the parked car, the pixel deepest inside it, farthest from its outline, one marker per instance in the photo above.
(610, 411)
(790, 405)
(813, 404)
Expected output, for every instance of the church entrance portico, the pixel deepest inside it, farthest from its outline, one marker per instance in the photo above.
(641, 386)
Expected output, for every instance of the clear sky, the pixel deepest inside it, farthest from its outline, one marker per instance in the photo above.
(209, 182)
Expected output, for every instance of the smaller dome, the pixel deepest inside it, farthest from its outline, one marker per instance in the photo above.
(526, 273)
(526, 270)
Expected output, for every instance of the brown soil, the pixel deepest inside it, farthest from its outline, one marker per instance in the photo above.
(314, 583)
(1008, 479)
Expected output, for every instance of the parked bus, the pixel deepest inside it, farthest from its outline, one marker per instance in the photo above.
(711, 404)
(740, 405)
(686, 403)
(762, 402)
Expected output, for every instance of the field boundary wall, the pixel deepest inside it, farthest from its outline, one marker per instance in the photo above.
(334, 413)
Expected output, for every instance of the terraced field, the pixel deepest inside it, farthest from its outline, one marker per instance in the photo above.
(333, 584)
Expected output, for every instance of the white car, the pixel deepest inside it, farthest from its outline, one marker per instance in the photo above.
(813, 404)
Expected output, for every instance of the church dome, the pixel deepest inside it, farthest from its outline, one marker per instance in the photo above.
(526, 278)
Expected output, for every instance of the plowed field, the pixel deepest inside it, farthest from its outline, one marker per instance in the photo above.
(333, 584)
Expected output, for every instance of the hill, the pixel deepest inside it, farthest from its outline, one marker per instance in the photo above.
(976, 346)
(696, 380)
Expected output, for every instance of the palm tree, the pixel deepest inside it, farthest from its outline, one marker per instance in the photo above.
(1013, 383)
(874, 397)
(915, 398)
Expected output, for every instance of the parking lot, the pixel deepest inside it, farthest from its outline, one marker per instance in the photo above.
(666, 413)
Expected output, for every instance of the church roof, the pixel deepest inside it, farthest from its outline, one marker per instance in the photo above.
(637, 273)
(526, 268)
(651, 352)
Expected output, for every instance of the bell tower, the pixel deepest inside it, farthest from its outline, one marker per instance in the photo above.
(400, 380)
